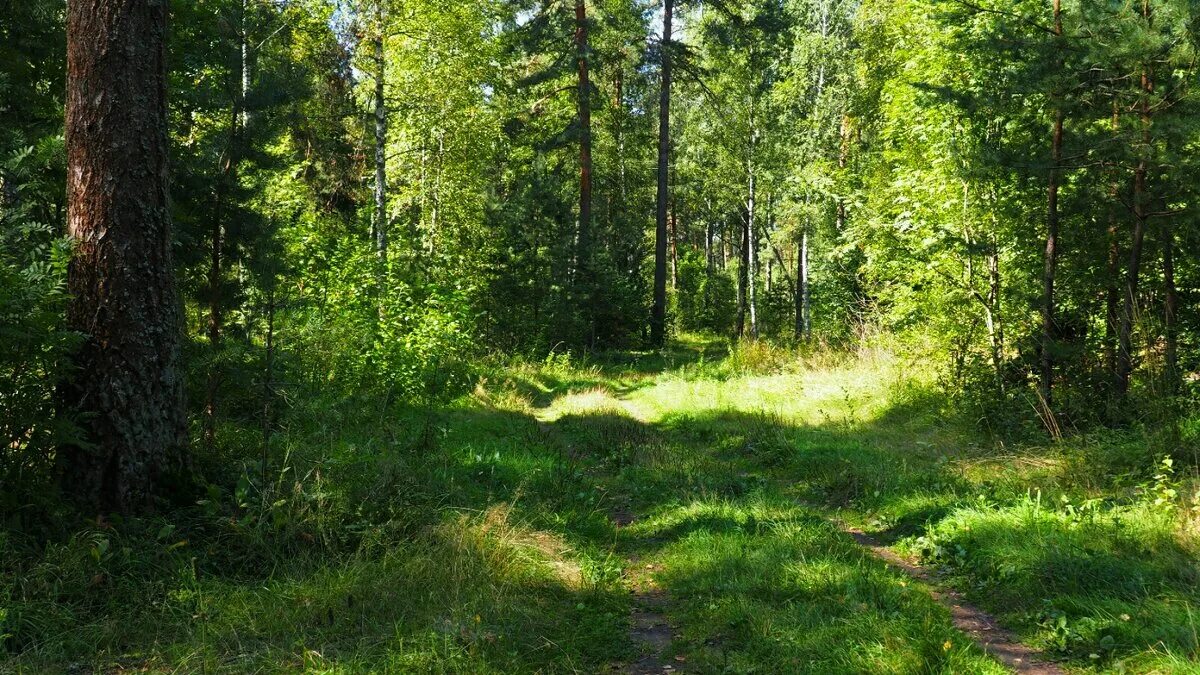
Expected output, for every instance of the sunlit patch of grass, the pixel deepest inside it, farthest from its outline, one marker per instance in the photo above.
(1096, 581)
(763, 584)
(873, 440)
(595, 400)
(475, 593)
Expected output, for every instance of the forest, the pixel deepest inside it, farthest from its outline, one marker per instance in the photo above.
(592, 336)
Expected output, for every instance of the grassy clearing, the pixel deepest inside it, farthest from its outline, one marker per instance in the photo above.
(476, 537)
(1086, 548)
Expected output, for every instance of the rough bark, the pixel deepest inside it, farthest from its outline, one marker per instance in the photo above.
(128, 387)
(658, 317)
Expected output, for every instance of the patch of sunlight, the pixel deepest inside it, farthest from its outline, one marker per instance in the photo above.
(511, 550)
(844, 393)
(490, 397)
(582, 403)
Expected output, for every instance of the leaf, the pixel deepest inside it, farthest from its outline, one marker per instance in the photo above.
(99, 548)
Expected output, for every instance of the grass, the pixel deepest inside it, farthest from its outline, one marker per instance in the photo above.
(478, 537)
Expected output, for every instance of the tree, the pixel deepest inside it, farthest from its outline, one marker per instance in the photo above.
(1046, 383)
(658, 319)
(585, 257)
(380, 221)
(128, 387)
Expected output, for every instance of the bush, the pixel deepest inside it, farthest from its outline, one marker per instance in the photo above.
(37, 346)
(706, 301)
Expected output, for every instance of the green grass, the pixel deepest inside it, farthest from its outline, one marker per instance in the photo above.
(476, 537)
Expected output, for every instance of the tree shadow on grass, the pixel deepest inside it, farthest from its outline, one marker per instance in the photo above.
(758, 577)
(1031, 576)
(762, 584)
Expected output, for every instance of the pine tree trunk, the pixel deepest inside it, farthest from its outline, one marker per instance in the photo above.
(658, 318)
(1046, 369)
(584, 241)
(128, 387)
(1112, 300)
(1171, 310)
(1141, 203)
(673, 237)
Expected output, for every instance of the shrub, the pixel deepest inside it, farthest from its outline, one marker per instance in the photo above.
(37, 346)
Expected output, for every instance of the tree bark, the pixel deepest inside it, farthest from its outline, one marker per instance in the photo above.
(709, 253)
(1046, 366)
(752, 239)
(381, 132)
(803, 297)
(658, 317)
(1112, 300)
(1140, 217)
(673, 235)
(128, 387)
(743, 278)
(244, 118)
(584, 242)
(1170, 310)
(994, 326)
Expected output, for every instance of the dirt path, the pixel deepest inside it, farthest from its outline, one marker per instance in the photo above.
(972, 621)
(649, 629)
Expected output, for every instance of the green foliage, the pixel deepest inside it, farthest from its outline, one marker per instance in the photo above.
(705, 299)
(383, 496)
(33, 265)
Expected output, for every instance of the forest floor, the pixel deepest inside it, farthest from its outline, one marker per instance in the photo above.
(677, 512)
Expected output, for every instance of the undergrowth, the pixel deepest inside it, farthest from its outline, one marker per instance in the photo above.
(477, 535)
